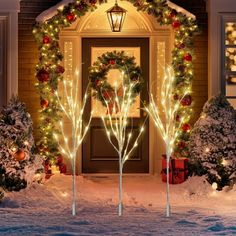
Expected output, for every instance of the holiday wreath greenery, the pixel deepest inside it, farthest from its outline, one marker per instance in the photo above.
(49, 72)
(102, 89)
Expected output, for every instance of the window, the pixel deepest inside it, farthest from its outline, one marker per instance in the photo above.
(229, 59)
(3, 68)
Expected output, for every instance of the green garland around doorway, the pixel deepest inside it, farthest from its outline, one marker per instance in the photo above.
(49, 72)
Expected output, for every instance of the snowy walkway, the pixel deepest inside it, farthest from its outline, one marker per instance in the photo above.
(46, 209)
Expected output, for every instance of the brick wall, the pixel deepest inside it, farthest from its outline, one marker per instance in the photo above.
(28, 54)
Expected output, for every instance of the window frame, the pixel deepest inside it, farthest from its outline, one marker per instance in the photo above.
(226, 18)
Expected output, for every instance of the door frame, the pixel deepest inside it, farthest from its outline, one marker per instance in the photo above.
(143, 150)
(156, 35)
(9, 26)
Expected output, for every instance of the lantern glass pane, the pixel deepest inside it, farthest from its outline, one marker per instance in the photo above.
(116, 18)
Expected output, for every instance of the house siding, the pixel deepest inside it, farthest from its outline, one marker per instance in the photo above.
(28, 54)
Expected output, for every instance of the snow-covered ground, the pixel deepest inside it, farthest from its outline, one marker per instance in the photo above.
(45, 209)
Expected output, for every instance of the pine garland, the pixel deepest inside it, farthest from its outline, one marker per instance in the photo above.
(49, 72)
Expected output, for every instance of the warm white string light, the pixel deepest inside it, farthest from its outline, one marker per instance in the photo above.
(116, 126)
(169, 127)
(74, 110)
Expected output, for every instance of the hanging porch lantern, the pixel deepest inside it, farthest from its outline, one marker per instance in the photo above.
(116, 16)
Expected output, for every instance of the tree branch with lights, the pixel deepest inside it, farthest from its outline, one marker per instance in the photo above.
(169, 126)
(49, 72)
(74, 111)
(116, 127)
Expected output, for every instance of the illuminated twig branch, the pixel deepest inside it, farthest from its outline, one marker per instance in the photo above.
(116, 126)
(73, 110)
(169, 127)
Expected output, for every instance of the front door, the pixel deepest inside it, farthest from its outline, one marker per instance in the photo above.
(98, 155)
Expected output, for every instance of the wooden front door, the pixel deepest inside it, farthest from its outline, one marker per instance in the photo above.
(98, 155)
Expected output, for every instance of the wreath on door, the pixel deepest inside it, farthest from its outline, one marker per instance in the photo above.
(102, 89)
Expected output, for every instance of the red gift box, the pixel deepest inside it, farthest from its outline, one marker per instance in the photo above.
(62, 168)
(178, 170)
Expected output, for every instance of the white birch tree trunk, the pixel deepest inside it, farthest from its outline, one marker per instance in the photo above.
(120, 207)
(167, 183)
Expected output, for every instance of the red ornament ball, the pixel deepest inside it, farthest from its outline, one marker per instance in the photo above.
(186, 127)
(43, 75)
(186, 101)
(70, 17)
(19, 155)
(44, 103)
(188, 57)
(176, 24)
(59, 159)
(181, 145)
(173, 13)
(60, 69)
(46, 40)
(112, 62)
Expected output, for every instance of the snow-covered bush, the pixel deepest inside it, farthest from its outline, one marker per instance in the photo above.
(18, 163)
(213, 142)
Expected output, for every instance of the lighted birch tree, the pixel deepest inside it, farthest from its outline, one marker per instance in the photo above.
(116, 127)
(166, 120)
(73, 109)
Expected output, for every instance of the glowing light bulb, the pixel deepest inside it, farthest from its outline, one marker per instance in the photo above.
(224, 162)
(26, 143)
(214, 185)
(64, 194)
